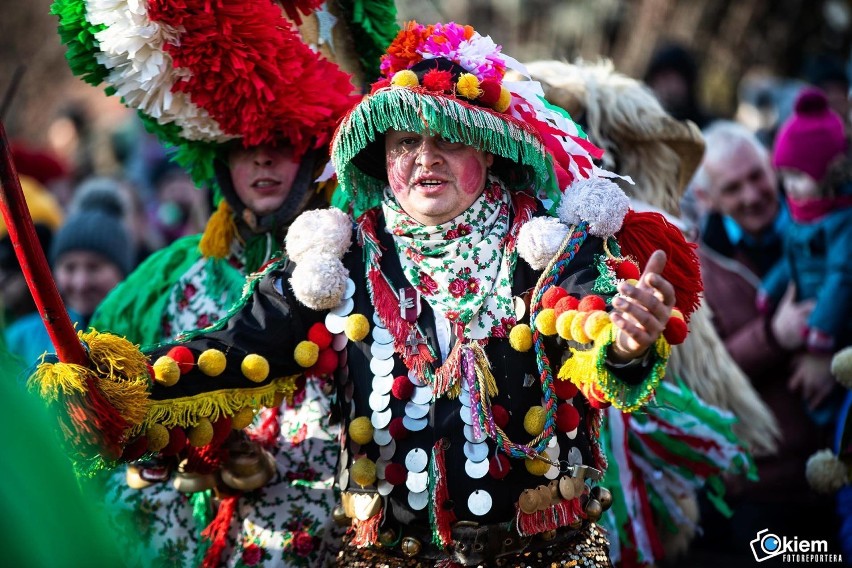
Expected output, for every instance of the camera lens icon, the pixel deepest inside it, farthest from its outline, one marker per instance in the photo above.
(766, 545)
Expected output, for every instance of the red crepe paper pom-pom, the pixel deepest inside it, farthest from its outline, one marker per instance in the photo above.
(135, 449)
(676, 331)
(625, 270)
(395, 473)
(501, 415)
(320, 335)
(183, 357)
(591, 303)
(326, 362)
(567, 417)
(177, 442)
(552, 296)
(565, 389)
(402, 388)
(397, 429)
(490, 93)
(498, 466)
(565, 304)
(438, 80)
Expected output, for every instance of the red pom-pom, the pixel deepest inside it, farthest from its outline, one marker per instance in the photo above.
(501, 415)
(183, 357)
(326, 363)
(397, 429)
(596, 397)
(490, 93)
(438, 80)
(591, 303)
(676, 331)
(320, 335)
(567, 417)
(177, 442)
(498, 466)
(565, 304)
(402, 388)
(135, 449)
(625, 270)
(221, 429)
(565, 389)
(395, 473)
(150, 370)
(552, 296)
(380, 84)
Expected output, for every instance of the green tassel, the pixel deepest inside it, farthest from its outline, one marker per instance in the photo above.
(202, 513)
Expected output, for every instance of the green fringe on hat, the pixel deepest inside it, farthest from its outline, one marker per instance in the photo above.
(406, 109)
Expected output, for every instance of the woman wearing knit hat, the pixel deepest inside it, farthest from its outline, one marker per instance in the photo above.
(811, 155)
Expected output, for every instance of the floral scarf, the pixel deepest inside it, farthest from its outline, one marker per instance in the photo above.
(462, 268)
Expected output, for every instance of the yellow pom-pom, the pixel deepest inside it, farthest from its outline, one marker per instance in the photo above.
(361, 430)
(212, 362)
(363, 472)
(468, 86)
(242, 418)
(502, 104)
(534, 420)
(255, 367)
(545, 321)
(536, 467)
(158, 437)
(841, 366)
(357, 327)
(520, 338)
(166, 371)
(578, 331)
(201, 434)
(632, 281)
(676, 313)
(825, 472)
(306, 353)
(405, 78)
(563, 323)
(596, 322)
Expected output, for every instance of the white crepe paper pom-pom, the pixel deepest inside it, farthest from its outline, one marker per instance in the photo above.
(825, 472)
(539, 240)
(841, 367)
(319, 281)
(598, 201)
(318, 232)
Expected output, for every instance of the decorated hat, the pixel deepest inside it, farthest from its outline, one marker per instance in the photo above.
(450, 80)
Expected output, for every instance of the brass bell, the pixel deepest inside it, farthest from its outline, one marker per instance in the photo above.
(593, 510)
(387, 538)
(528, 501)
(340, 518)
(548, 535)
(135, 479)
(411, 547)
(192, 481)
(603, 495)
(249, 467)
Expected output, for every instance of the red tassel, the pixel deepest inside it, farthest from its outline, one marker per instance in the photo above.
(643, 233)
(366, 532)
(217, 531)
(92, 420)
(559, 515)
(443, 517)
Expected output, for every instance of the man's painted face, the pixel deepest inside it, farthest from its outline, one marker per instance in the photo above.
(433, 179)
(263, 176)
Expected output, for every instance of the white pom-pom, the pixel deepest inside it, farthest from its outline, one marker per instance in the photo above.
(319, 281)
(825, 472)
(320, 231)
(598, 201)
(841, 367)
(539, 240)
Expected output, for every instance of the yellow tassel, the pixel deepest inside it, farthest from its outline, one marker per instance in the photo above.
(219, 233)
(114, 356)
(483, 370)
(53, 379)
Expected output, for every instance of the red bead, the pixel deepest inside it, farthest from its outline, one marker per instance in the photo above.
(183, 357)
(564, 388)
(150, 370)
(591, 303)
(395, 473)
(326, 362)
(490, 92)
(221, 429)
(565, 304)
(320, 335)
(552, 296)
(567, 417)
(498, 466)
(397, 430)
(135, 449)
(501, 416)
(676, 331)
(625, 270)
(402, 388)
(177, 442)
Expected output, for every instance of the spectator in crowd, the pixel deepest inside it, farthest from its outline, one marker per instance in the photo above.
(673, 76)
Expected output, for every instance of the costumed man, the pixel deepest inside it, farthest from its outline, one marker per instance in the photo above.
(660, 154)
(248, 105)
(474, 337)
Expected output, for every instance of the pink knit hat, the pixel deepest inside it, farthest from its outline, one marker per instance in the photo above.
(812, 138)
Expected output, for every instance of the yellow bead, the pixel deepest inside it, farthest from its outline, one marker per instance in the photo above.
(504, 101)
(545, 321)
(357, 327)
(255, 367)
(563, 323)
(405, 78)
(212, 362)
(520, 338)
(361, 430)
(166, 371)
(201, 434)
(306, 354)
(578, 332)
(158, 437)
(536, 467)
(534, 420)
(363, 472)
(596, 323)
(242, 418)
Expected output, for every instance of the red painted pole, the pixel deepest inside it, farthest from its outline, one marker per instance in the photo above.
(33, 263)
